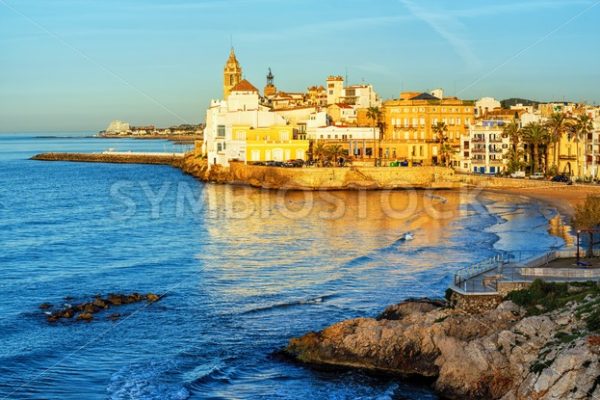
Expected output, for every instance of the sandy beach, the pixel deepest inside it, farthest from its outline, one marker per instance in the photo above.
(564, 198)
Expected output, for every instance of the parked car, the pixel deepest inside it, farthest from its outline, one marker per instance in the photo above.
(537, 175)
(518, 174)
(274, 164)
(561, 178)
(404, 163)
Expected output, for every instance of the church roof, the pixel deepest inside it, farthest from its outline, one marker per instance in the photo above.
(244, 86)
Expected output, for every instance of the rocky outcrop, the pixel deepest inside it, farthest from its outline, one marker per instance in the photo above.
(85, 311)
(498, 354)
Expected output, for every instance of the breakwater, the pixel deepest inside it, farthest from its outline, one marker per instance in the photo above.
(173, 159)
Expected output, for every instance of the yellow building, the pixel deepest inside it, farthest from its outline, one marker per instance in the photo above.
(409, 121)
(232, 74)
(274, 143)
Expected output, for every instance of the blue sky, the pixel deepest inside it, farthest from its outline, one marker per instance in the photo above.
(78, 64)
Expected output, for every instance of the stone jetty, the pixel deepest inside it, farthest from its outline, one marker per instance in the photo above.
(173, 159)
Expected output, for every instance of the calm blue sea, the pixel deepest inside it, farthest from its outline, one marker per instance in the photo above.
(243, 270)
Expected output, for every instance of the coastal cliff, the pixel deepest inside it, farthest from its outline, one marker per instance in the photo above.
(505, 353)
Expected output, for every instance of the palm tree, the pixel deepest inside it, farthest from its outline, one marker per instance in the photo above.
(582, 128)
(440, 130)
(334, 152)
(535, 134)
(374, 114)
(513, 132)
(557, 126)
(320, 153)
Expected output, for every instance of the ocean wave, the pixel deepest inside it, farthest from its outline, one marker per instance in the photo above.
(292, 303)
(146, 381)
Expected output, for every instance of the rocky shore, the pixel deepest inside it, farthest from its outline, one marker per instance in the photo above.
(513, 352)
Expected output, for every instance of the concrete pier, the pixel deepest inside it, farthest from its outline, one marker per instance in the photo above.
(173, 159)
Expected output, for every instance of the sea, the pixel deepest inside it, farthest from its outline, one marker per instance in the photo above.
(242, 271)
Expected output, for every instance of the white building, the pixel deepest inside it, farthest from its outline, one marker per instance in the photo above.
(118, 127)
(335, 89)
(487, 147)
(361, 96)
(485, 105)
(334, 132)
(242, 107)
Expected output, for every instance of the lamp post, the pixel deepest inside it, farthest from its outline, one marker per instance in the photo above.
(578, 233)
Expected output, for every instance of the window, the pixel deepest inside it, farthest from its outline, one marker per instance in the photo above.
(219, 147)
(284, 135)
(406, 135)
(422, 121)
(405, 121)
(414, 122)
(422, 135)
(221, 130)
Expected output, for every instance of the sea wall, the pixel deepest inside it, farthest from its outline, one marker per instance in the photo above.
(322, 178)
(475, 303)
(487, 181)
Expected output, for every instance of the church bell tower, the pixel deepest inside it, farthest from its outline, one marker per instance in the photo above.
(270, 89)
(232, 74)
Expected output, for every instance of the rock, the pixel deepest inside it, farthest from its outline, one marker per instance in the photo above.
(151, 297)
(398, 311)
(98, 302)
(498, 354)
(115, 299)
(45, 306)
(85, 316)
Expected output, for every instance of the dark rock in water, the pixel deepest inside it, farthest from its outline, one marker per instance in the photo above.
(410, 306)
(152, 297)
(115, 299)
(98, 302)
(68, 298)
(85, 316)
(87, 309)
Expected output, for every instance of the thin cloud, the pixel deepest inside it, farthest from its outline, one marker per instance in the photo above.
(449, 28)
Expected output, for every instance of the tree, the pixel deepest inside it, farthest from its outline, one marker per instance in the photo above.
(440, 130)
(334, 152)
(582, 128)
(557, 126)
(587, 216)
(515, 160)
(374, 114)
(513, 132)
(536, 135)
(320, 153)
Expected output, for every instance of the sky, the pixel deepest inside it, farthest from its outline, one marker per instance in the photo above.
(68, 65)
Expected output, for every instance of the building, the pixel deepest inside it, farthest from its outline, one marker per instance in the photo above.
(117, 126)
(335, 89)
(232, 74)
(409, 127)
(270, 89)
(342, 113)
(486, 105)
(487, 147)
(360, 96)
(272, 143)
(243, 126)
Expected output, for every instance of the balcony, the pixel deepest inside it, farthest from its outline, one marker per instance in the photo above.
(567, 158)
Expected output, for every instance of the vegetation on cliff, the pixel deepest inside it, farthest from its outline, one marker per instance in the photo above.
(542, 345)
